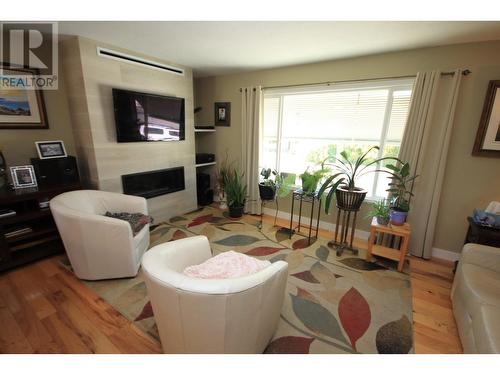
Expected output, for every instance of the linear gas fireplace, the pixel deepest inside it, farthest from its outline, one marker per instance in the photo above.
(154, 183)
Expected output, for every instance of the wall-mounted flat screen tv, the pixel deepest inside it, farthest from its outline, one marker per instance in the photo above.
(141, 117)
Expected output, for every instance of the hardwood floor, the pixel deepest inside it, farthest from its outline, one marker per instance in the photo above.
(46, 309)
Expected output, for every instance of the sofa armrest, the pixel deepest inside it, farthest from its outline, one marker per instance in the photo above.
(482, 256)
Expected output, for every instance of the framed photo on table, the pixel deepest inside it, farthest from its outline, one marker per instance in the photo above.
(23, 176)
(50, 149)
(222, 114)
(21, 108)
(487, 141)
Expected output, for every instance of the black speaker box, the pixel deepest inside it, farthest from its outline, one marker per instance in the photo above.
(202, 181)
(204, 193)
(202, 158)
(205, 197)
(56, 171)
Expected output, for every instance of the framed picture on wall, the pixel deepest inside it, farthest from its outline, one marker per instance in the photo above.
(50, 149)
(487, 141)
(222, 114)
(23, 176)
(21, 108)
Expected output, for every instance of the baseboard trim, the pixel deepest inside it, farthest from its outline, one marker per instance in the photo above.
(445, 254)
(358, 233)
(361, 234)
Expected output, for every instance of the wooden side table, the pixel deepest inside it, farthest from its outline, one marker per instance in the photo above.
(398, 254)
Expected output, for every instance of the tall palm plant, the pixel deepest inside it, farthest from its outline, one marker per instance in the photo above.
(346, 171)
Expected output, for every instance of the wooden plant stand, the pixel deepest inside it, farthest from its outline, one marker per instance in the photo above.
(341, 242)
(397, 254)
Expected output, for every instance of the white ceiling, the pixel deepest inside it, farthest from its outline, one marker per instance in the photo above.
(213, 48)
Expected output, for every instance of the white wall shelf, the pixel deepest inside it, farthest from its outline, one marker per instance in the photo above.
(204, 130)
(205, 164)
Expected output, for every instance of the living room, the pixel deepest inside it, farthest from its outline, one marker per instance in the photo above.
(246, 186)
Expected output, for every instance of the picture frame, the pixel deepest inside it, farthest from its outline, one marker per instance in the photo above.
(222, 112)
(23, 176)
(50, 149)
(21, 108)
(487, 142)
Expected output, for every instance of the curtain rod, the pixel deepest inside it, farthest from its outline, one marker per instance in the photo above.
(465, 72)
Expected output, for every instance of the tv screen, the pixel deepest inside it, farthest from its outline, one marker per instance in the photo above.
(143, 117)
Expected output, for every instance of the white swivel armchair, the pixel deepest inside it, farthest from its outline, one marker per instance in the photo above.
(237, 315)
(100, 247)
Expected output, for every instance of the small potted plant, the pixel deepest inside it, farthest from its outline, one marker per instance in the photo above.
(400, 192)
(236, 192)
(267, 187)
(342, 183)
(381, 211)
(310, 180)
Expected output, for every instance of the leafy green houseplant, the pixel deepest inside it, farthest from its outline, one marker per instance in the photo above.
(267, 187)
(275, 184)
(400, 191)
(236, 192)
(310, 180)
(381, 211)
(342, 182)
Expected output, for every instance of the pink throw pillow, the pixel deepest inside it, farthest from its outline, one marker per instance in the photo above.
(226, 265)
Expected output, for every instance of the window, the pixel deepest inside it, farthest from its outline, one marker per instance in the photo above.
(302, 126)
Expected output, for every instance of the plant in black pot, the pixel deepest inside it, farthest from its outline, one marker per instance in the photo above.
(346, 171)
(400, 192)
(381, 211)
(236, 192)
(267, 187)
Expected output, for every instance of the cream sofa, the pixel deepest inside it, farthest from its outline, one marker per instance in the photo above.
(100, 247)
(476, 299)
(237, 315)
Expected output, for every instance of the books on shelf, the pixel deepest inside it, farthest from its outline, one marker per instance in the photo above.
(18, 232)
(6, 213)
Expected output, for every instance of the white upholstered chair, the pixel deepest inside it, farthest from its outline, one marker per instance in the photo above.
(100, 247)
(237, 315)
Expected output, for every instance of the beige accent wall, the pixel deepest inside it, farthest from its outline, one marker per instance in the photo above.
(18, 146)
(469, 181)
(90, 79)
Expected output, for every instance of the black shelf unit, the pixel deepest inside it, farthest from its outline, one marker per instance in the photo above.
(43, 240)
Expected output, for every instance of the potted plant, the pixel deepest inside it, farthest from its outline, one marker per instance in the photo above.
(310, 180)
(381, 211)
(236, 192)
(267, 187)
(400, 192)
(347, 169)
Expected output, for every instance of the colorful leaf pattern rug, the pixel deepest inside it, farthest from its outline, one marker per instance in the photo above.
(332, 304)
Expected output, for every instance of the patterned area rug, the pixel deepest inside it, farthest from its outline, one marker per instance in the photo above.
(332, 304)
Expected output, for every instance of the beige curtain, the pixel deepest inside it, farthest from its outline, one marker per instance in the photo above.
(425, 146)
(251, 105)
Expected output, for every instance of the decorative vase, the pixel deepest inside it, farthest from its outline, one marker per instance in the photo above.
(222, 201)
(266, 192)
(349, 200)
(398, 217)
